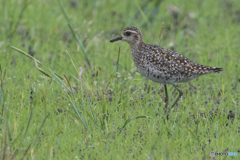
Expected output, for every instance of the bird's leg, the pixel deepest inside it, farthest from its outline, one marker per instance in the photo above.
(166, 96)
(180, 95)
(166, 101)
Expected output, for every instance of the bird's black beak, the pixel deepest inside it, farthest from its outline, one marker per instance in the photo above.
(116, 39)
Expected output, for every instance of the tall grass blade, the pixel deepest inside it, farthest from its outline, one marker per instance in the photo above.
(160, 34)
(36, 62)
(85, 87)
(117, 64)
(61, 82)
(141, 11)
(26, 54)
(1, 91)
(3, 10)
(36, 136)
(68, 82)
(95, 120)
(154, 13)
(29, 120)
(130, 119)
(19, 18)
(191, 132)
(15, 140)
(126, 80)
(72, 63)
(5, 147)
(26, 151)
(42, 70)
(40, 129)
(74, 34)
(80, 117)
(143, 6)
(119, 52)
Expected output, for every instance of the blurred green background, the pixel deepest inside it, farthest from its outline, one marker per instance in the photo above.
(105, 110)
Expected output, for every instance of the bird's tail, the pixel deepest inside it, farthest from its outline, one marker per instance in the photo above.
(212, 69)
(216, 70)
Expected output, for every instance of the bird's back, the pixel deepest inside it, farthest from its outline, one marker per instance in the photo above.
(166, 66)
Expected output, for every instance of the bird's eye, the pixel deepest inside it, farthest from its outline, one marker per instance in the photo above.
(128, 33)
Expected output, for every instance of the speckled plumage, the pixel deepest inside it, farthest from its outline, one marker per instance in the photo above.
(160, 64)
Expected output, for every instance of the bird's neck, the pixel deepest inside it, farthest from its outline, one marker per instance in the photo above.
(137, 45)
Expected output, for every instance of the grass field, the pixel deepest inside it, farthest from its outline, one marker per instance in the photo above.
(62, 98)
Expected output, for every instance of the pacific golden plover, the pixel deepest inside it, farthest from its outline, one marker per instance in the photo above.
(162, 65)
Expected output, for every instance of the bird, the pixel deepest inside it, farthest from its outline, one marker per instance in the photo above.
(160, 64)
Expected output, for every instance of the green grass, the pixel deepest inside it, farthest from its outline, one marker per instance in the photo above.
(115, 114)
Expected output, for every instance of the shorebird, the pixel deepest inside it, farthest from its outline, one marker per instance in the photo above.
(162, 65)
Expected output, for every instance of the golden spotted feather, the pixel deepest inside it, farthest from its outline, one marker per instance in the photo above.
(167, 66)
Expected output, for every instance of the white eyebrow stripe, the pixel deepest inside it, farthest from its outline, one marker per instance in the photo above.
(130, 31)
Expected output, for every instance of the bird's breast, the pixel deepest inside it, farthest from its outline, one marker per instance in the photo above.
(151, 71)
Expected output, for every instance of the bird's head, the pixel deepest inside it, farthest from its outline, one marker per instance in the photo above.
(130, 34)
